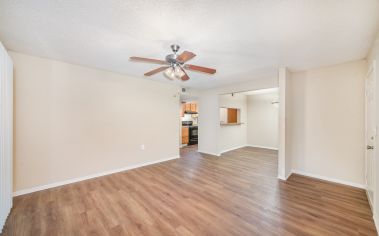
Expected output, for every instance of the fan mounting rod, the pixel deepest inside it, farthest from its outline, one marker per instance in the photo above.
(175, 48)
(172, 58)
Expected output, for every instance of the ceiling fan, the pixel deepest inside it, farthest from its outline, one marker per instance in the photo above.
(174, 66)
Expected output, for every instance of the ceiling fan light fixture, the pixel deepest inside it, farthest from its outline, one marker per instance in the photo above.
(170, 73)
(174, 72)
(178, 72)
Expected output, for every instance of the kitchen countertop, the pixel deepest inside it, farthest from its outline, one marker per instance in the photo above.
(229, 124)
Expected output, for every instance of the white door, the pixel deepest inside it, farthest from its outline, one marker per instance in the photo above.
(371, 132)
(6, 127)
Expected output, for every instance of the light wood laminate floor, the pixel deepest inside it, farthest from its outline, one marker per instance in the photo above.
(236, 194)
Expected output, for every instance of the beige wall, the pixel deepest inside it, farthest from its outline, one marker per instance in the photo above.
(72, 121)
(262, 120)
(327, 122)
(233, 136)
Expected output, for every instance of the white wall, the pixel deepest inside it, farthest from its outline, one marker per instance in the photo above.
(209, 122)
(209, 117)
(262, 120)
(284, 160)
(327, 122)
(73, 121)
(233, 136)
(288, 123)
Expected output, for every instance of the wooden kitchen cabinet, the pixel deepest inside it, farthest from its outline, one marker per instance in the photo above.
(185, 131)
(187, 107)
(193, 107)
(232, 115)
(185, 135)
(185, 140)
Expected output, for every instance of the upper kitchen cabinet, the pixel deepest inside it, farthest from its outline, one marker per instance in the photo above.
(189, 107)
(193, 107)
(230, 116)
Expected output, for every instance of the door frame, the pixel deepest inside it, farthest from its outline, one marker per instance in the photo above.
(372, 202)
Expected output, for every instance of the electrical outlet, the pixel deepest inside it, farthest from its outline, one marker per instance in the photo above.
(142, 147)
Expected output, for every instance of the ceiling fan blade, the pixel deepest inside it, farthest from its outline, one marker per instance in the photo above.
(186, 56)
(156, 70)
(200, 68)
(185, 77)
(143, 59)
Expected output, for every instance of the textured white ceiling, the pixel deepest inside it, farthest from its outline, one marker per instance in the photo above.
(242, 39)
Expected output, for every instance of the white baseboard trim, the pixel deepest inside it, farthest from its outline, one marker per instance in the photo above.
(338, 181)
(374, 215)
(284, 177)
(288, 175)
(370, 202)
(210, 153)
(257, 146)
(74, 180)
(376, 222)
(233, 148)
(281, 177)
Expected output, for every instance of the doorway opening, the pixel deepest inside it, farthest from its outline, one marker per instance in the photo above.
(249, 119)
(188, 135)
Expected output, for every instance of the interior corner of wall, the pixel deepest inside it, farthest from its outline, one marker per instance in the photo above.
(281, 177)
